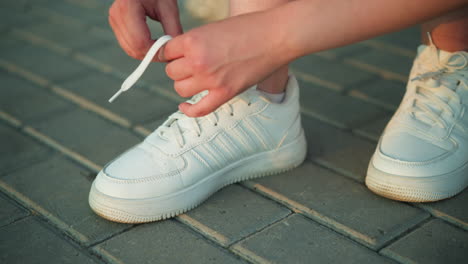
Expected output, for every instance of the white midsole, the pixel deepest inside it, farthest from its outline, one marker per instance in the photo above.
(269, 162)
(437, 186)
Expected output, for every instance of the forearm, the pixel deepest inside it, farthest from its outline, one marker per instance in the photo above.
(308, 26)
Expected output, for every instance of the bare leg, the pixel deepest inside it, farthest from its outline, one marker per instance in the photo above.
(276, 82)
(449, 32)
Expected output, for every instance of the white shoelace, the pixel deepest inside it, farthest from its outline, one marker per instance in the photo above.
(133, 78)
(178, 123)
(436, 90)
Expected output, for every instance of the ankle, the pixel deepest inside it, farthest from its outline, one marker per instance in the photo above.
(276, 82)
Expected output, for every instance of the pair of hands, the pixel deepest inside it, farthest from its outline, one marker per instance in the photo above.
(224, 58)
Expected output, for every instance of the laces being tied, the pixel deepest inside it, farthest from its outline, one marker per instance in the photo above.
(133, 78)
(436, 100)
(178, 124)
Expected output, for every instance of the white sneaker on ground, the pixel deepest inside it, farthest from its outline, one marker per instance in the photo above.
(186, 160)
(422, 155)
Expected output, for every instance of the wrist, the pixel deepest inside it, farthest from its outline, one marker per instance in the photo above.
(281, 32)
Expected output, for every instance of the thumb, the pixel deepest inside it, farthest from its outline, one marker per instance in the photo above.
(208, 104)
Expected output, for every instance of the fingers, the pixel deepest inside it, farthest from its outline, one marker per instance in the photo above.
(128, 21)
(179, 69)
(188, 87)
(170, 20)
(214, 99)
(174, 49)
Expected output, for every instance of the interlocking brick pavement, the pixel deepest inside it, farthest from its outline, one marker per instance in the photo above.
(59, 63)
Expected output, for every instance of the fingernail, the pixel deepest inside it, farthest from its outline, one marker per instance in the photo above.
(161, 54)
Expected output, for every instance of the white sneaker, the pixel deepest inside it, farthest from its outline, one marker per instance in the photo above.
(186, 160)
(423, 153)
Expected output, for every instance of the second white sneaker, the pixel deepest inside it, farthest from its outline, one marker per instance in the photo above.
(186, 160)
(422, 155)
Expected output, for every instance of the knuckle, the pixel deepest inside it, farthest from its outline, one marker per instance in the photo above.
(124, 3)
(180, 91)
(169, 70)
(198, 112)
(115, 8)
(112, 9)
(200, 64)
(189, 40)
(140, 46)
(223, 88)
(133, 54)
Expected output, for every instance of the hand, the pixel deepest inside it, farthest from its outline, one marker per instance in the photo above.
(128, 21)
(224, 58)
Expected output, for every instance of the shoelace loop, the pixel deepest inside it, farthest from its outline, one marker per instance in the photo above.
(442, 83)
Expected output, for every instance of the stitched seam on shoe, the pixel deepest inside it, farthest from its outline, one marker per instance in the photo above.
(147, 179)
(415, 163)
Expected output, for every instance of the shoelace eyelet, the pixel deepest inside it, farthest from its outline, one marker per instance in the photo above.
(232, 114)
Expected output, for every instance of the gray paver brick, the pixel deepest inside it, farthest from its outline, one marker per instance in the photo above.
(29, 241)
(434, 242)
(386, 61)
(452, 210)
(18, 151)
(59, 189)
(345, 110)
(157, 76)
(337, 148)
(408, 38)
(7, 41)
(10, 211)
(386, 92)
(162, 242)
(68, 35)
(236, 212)
(152, 125)
(43, 62)
(92, 4)
(77, 12)
(299, 240)
(115, 57)
(14, 13)
(138, 105)
(374, 129)
(346, 202)
(344, 51)
(187, 20)
(30, 101)
(87, 134)
(331, 70)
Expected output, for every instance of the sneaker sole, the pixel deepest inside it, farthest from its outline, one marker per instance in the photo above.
(417, 189)
(145, 210)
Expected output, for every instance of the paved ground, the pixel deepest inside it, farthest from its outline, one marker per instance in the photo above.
(59, 63)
